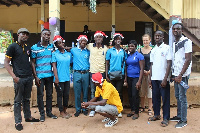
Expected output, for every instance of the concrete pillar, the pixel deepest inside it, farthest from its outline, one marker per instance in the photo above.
(42, 13)
(54, 11)
(113, 18)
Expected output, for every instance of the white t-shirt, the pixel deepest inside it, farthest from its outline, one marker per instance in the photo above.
(179, 49)
(159, 56)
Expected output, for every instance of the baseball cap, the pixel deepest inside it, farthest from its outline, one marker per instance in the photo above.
(23, 30)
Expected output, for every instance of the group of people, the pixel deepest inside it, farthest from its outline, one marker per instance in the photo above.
(105, 69)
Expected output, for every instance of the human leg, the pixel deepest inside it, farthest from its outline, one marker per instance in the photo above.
(85, 86)
(49, 91)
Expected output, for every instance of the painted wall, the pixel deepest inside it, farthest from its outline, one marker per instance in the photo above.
(13, 17)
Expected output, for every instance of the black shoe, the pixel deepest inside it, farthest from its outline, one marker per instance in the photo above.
(42, 118)
(77, 114)
(52, 116)
(19, 127)
(175, 118)
(85, 113)
(32, 120)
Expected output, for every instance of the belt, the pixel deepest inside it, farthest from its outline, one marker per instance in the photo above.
(24, 76)
(81, 71)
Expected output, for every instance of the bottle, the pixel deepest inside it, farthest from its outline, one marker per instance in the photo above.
(72, 44)
(184, 85)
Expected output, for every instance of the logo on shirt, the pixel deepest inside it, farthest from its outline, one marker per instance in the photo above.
(86, 56)
(162, 54)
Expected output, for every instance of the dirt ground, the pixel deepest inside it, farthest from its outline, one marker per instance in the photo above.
(86, 124)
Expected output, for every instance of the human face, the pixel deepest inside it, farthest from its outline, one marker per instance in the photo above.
(177, 30)
(23, 37)
(82, 43)
(131, 48)
(158, 37)
(146, 41)
(45, 36)
(118, 40)
(60, 44)
(98, 39)
(97, 84)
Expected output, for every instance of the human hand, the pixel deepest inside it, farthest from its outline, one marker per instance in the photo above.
(178, 79)
(16, 79)
(37, 81)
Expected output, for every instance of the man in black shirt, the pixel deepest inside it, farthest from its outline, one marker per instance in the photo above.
(18, 53)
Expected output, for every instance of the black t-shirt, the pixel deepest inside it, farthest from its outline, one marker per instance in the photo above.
(20, 59)
(147, 60)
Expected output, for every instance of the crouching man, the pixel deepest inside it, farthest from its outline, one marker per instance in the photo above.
(111, 104)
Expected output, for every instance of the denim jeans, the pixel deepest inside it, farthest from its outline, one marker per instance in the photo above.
(81, 84)
(63, 95)
(180, 94)
(22, 95)
(157, 93)
(92, 86)
(48, 83)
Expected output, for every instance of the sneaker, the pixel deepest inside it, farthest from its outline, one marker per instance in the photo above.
(19, 127)
(77, 114)
(92, 113)
(106, 119)
(175, 118)
(120, 115)
(181, 124)
(111, 123)
(42, 118)
(52, 116)
(85, 113)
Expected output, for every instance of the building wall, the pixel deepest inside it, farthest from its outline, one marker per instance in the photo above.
(13, 17)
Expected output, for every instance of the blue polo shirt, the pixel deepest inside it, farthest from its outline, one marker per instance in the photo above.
(63, 61)
(80, 59)
(116, 59)
(133, 66)
(43, 59)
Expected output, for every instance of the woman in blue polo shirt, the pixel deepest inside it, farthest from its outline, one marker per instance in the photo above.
(61, 60)
(135, 70)
(115, 62)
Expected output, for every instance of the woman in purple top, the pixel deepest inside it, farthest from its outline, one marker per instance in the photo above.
(135, 70)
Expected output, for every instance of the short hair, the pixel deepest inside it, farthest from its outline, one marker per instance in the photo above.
(179, 24)
(113, 42)
(146, 35)
(133, 42)
(45, 30)
(160, 31)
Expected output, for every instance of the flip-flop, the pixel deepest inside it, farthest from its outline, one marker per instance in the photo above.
(141, 110)
(154, 118)
(164, 123)
(150, 112)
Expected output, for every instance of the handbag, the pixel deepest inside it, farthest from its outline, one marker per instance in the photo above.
(117, 75)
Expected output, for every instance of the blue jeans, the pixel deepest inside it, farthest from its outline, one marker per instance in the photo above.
(22, 95)
(81, 83)
(48, 83)
(180, 94)
(157, 92)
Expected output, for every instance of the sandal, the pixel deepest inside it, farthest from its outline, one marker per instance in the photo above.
(164, 123)
(154, 118)
(135, 116)
(150, 112)
(32, 120)
(141, 110)
(130, 114)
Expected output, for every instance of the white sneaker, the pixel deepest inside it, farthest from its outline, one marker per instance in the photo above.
(111, 123)
(120, 115)
(92, 113)
(106, 119)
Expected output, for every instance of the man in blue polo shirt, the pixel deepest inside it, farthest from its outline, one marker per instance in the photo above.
(42, 71)
(81, 68)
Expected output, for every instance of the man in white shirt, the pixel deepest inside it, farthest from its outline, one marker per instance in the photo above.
(182, 55)
(160, 59)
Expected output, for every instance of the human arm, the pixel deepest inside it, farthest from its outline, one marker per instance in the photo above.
(164, 81)
(55, 73)
(188, 58)
(33, 64)
(149, 79)
(8, 68)
(107, 67)
(93, 102)
(138, 84)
